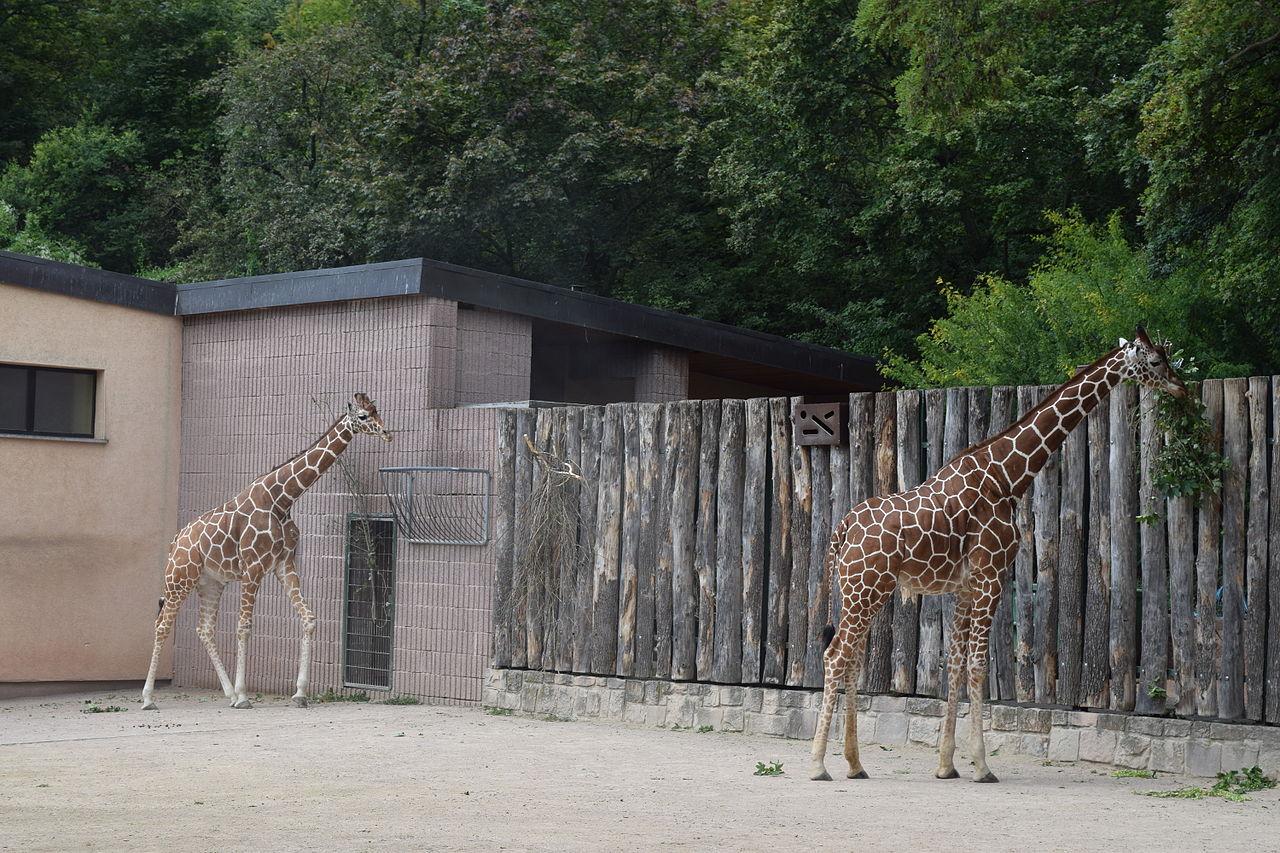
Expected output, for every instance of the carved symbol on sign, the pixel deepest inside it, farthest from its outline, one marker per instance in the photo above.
(818, 424)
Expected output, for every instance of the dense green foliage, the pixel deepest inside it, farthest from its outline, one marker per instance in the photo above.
(987, 190)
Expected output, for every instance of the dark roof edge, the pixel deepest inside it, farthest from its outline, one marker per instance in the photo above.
(526, 298)
(113, 288)
(367, 281)
(578, 308)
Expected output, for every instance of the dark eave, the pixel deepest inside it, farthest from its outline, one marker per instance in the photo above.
(85, 283)
(529, 299)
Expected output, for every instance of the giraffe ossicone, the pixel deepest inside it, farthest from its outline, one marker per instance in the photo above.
(955, 533)
(243, 540)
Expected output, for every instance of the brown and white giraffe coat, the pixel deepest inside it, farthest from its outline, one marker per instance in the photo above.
(244, 539)
(955, 532)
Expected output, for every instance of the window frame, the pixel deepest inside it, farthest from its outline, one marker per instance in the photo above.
(31, 370)
(393, 554)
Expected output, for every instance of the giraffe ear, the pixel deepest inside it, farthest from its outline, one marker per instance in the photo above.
(1123, 343)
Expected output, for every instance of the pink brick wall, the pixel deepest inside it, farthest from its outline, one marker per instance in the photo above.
(662, 375)
(494, 350)
(249, 379)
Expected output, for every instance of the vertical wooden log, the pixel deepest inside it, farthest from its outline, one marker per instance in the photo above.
(1095, 667)
(536, 588)
(881, 641)
(1255, 619)
(1124, 549)
(929, 654)
(1024, 563)
(664, 569)
(1208, 550)
(650, 422)
(840, 507)
(520, 558)
(755, 515)
(1235, 446)
(726, 665)
(1003, 673)
(556, 576)
(588, 504)
(819, 537)
(1071, 564)
(955, 439)
(684, 506)
(1272, 710)
(1154, 566)
(862, 444)
(629, 554)
(568, 602)
(798, 595)
(605, 580)
(503, 530)
(1045, 508)
(780, 544)
(1182, 601)
(705, 548)
(906, 616)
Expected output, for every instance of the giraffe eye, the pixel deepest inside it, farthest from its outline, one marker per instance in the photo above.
(364, 416)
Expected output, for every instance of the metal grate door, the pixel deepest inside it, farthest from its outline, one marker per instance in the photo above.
(369, 612)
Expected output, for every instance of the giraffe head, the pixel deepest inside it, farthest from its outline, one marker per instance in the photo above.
(1147, 363)
(363, 417)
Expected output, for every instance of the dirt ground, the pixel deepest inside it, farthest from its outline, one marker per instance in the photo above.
(200, 776)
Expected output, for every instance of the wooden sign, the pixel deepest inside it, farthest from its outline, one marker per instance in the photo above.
(818, 423)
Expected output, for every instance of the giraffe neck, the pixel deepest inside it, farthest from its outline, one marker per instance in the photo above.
(288, 482)
(1027, 445)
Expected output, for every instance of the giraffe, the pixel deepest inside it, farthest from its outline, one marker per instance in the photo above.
(244, 539)
(955, 532)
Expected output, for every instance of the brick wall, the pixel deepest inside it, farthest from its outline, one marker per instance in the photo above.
(493, 356)
(249, 381)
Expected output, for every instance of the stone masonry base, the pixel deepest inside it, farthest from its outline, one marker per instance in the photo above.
(1194, 747)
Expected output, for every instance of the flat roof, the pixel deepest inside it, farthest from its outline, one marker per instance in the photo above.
(421, 276)
(87, 283)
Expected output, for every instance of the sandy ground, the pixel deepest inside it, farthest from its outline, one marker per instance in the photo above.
(199, 776)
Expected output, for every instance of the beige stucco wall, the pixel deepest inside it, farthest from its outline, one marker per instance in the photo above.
(84, 526)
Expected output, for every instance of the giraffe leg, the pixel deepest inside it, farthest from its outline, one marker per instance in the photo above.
(210, 590)
(174, 596)
(834, 664)
(955, 673)
(248, 595)
(851, 711)
(843, 659)
(979, 631)
(288, 575)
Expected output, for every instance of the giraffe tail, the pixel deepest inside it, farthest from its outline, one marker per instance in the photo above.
(828, 572)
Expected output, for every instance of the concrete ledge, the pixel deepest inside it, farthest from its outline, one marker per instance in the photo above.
(1197, 748)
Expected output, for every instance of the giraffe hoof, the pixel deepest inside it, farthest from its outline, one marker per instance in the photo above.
(300, 701)
(821, 776)
(150, 706)
(861, 774)
(948, 774)
(242, 704)
(990, 777)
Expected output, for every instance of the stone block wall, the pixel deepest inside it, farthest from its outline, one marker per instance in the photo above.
(1196, 748)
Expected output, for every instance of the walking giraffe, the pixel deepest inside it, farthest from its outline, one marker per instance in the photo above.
(955, 532)
(244, 539)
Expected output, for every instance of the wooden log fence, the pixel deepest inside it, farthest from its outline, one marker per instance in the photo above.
(704, 533)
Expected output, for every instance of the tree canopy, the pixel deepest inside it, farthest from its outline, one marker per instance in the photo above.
(979, 191)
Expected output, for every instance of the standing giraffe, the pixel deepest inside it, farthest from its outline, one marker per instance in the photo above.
(955, 532)
(244, 539)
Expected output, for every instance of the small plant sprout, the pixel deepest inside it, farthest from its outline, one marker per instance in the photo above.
(99, 709)
(773, 768)
(330, 696)
(702, 730)
(1155, 691)
(401, 700)
(498, 712)
(1134, 774)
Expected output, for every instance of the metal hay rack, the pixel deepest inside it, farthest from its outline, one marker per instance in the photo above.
(438, 505)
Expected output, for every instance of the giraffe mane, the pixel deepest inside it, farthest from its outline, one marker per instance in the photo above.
(1076, 378)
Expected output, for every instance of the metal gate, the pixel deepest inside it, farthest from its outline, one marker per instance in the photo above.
(369, 608)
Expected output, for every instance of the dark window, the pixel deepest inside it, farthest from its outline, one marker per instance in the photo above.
(370, 602)
(47, 400)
